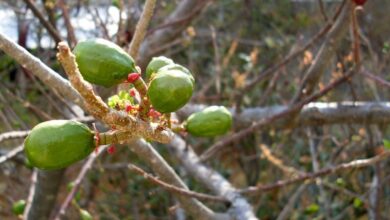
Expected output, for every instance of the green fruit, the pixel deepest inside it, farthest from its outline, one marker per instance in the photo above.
(170, 90)
(27, 163)
(178, 67)
(18, 207)
(155, 64)
(102, 62)
(58, 143)
(212, 121)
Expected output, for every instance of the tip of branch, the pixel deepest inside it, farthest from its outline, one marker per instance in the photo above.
(63, 47)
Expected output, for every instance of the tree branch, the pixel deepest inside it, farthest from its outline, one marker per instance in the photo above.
(43, 194)
(312, 114)
(324, 56)
(38, 68)
(163, 36)
(240, 209)
(142, 25)
(152, 158)
(52, 31)
(255, 190)
(167, 186)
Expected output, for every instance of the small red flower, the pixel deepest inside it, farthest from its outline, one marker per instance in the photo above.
(129, 108)
(153, 113)
(111, 149)
(132, 77)
(360, 2)
(133, 92)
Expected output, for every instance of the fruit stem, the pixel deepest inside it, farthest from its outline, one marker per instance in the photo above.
(142, 88)
(168, 118)
(178, 128)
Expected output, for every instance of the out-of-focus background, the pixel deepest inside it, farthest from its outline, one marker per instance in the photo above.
(226, 44)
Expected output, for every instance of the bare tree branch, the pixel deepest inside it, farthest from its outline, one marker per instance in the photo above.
(13, 135)
(240, 209)
(52, 31)
(324, 56)
(38, 68)
(163, 36)
(142, 25)
(291, 110)
(255, 190)
(312, 114)
(11, 154)
(153, 159)
(86, 167)
(167, 186)
(43, 193)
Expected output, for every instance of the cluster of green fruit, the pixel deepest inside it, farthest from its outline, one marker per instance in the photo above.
(59, 143)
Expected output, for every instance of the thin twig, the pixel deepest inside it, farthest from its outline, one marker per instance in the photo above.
(258, 124)
(322, 9)
(13, 135)
(142, 25)
(11, 154)
(52, 31)
(38, 68)
(375, 78)
(269, 71)
(86, 167)
(69, 27)
(324, 55)
(184, 19)
(168, 186)
(255, 190)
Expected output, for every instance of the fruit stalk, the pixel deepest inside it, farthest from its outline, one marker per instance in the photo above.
(142, 88)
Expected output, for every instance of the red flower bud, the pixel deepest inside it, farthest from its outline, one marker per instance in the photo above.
(132, 77)
(129, 108)
(153, 113)
(133, 92)
(359, 2)
(111, 149)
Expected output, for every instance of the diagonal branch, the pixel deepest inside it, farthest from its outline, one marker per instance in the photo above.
(152, 158)
(262, 123)
(142, 25)
(240, 209)
(256, 190)
(41, 70)
(324, 56)
(52, 31)
(169, 33)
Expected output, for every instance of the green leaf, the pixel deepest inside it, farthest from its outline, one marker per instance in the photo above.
(387, 144)
(311, 209)
(357, 203)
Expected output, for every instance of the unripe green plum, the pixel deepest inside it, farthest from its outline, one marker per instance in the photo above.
(155, 64)
(102, 62)
(210, 122)
(58, 143)
(170, 90)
